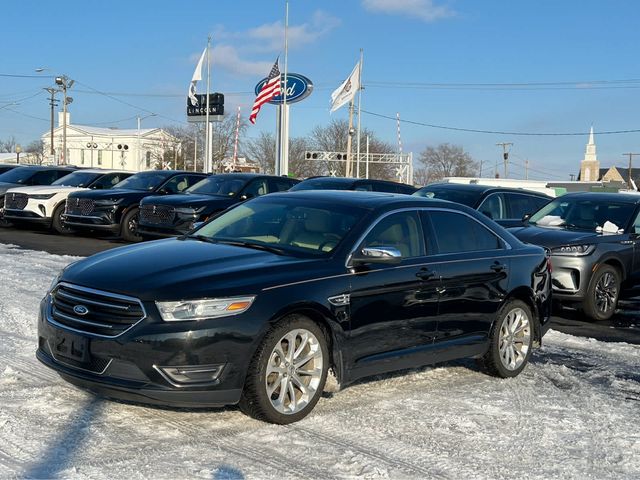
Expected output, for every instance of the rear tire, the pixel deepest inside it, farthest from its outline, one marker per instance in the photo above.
(511, 340)
(129, 226)
(287, 373)
(603, 293)
(57, 223)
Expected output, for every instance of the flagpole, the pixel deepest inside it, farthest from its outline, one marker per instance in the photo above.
(284, 128)
(359, 111)
(347, 172)
(207, 148)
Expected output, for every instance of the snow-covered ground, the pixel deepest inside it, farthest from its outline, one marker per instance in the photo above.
(573, 413)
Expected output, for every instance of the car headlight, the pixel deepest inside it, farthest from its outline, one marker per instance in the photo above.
(43, 196)
(54, 282)
(573, 250)
(187, 310)
(106, 202)
(185, 211)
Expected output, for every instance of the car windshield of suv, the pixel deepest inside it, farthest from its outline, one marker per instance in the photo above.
(459, 196)
(145, 181)
(218, 185)
(322, 184)
(580, 214)
(18, 175)
(286, 228)
(77, 179)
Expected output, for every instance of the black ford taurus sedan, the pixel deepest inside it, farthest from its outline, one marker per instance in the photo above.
(256, 305)
(592, 238)
(173, 215)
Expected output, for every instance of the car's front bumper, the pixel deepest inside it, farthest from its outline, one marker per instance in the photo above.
(134, 365)
(26, 216)
(571, 276)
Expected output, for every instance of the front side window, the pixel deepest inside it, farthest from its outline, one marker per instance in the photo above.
(218, 185)
(400, 230)
(256, 188)
(144, 181)
(521, 204)
(455, 233)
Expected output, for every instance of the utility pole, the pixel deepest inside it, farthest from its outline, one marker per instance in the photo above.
(526, 169)
(53, 103)
(630, 185)
(505, 154)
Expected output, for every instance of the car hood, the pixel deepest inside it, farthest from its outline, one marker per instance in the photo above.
(6, 186)
(188, 268)
(46, 189)
(191, 200)
(555, 237)
(115, 194)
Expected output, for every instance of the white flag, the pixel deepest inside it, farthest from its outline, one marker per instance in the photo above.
(345, 92)
(197, 75)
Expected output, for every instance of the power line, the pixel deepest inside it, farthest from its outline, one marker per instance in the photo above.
(499, 132)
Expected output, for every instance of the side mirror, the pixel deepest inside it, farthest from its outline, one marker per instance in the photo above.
(526, 217)
(246, 196)
(164, 191)
(385, 255)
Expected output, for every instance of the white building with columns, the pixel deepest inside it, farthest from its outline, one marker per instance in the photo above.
(126, 149)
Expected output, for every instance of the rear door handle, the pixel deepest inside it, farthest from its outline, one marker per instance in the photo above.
(425, 274)
(498, 267)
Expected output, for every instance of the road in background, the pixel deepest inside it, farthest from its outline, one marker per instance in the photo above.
(623, 327)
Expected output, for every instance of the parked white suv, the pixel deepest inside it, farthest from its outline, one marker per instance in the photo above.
(46, 204)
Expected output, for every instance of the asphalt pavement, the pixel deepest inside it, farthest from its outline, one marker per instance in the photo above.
(623, 327)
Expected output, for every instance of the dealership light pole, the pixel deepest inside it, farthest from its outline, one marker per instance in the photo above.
(65, 83)
(53, 103)
(139, 118)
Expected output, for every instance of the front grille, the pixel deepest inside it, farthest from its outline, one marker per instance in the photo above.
(79, 206)
(157, 214)
(92, 311)
(16, 201)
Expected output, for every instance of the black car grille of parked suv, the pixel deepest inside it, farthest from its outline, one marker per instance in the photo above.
(157, 214)
(95, 312)
(79, 206)
(16, 201)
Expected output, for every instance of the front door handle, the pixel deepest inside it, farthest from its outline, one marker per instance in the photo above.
(425, 274)
(498, 267)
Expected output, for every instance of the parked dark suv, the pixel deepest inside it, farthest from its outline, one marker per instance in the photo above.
(363, 184)
(505, 205)
(256, 305)
(172, 215)
(594, 239)
(116, 210)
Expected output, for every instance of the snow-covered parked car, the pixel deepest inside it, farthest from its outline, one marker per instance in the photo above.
(45, 204)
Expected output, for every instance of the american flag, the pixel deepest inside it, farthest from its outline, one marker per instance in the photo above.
(270, 89)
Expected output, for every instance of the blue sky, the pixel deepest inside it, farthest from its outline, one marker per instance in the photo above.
(143, 54)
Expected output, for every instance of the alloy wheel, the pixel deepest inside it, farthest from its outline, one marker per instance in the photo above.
(514, 341)
(606, 292)
(294, 371)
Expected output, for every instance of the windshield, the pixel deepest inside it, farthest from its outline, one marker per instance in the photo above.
(77, 179)
(307, 228)
(584, 215)
(322, 184)
(218, 185)
(18, 175)
(145, 181)
(459, 196)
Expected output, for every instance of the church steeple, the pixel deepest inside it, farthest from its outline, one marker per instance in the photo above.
(590, 166)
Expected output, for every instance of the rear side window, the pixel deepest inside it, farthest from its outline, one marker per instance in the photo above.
(109, 180)
(280, 185)
(494, 206)
(47, 177)
(521, 204)
(455, 233)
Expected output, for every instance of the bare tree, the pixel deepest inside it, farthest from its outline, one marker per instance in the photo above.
(8, 145)
(35, 152)
(446, 160)
(262, 150)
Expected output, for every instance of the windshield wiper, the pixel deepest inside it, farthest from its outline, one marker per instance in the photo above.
(202, 238)
(257, 246)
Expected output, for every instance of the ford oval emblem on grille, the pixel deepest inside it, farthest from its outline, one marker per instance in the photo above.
(80, 310)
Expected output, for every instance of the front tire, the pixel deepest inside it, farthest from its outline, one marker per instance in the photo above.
(511, 340)
(603, 293)
(57, 223)
(129, 226)
(287, 374)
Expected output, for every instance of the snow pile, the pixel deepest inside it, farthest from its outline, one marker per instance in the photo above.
(573, 413)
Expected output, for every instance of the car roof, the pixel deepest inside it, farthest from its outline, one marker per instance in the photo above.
(366, 199)
(70, 168)
(631, 198)
(474, 187)
(247, 175)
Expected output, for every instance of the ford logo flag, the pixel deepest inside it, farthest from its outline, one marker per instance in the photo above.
(298, 88)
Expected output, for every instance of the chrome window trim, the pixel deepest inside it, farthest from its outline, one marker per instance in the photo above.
(507, 245)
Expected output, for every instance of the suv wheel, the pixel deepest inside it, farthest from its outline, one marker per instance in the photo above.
(603, 292)
(129, 226)
(57, 223)
(511, 340)
(287, 374)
